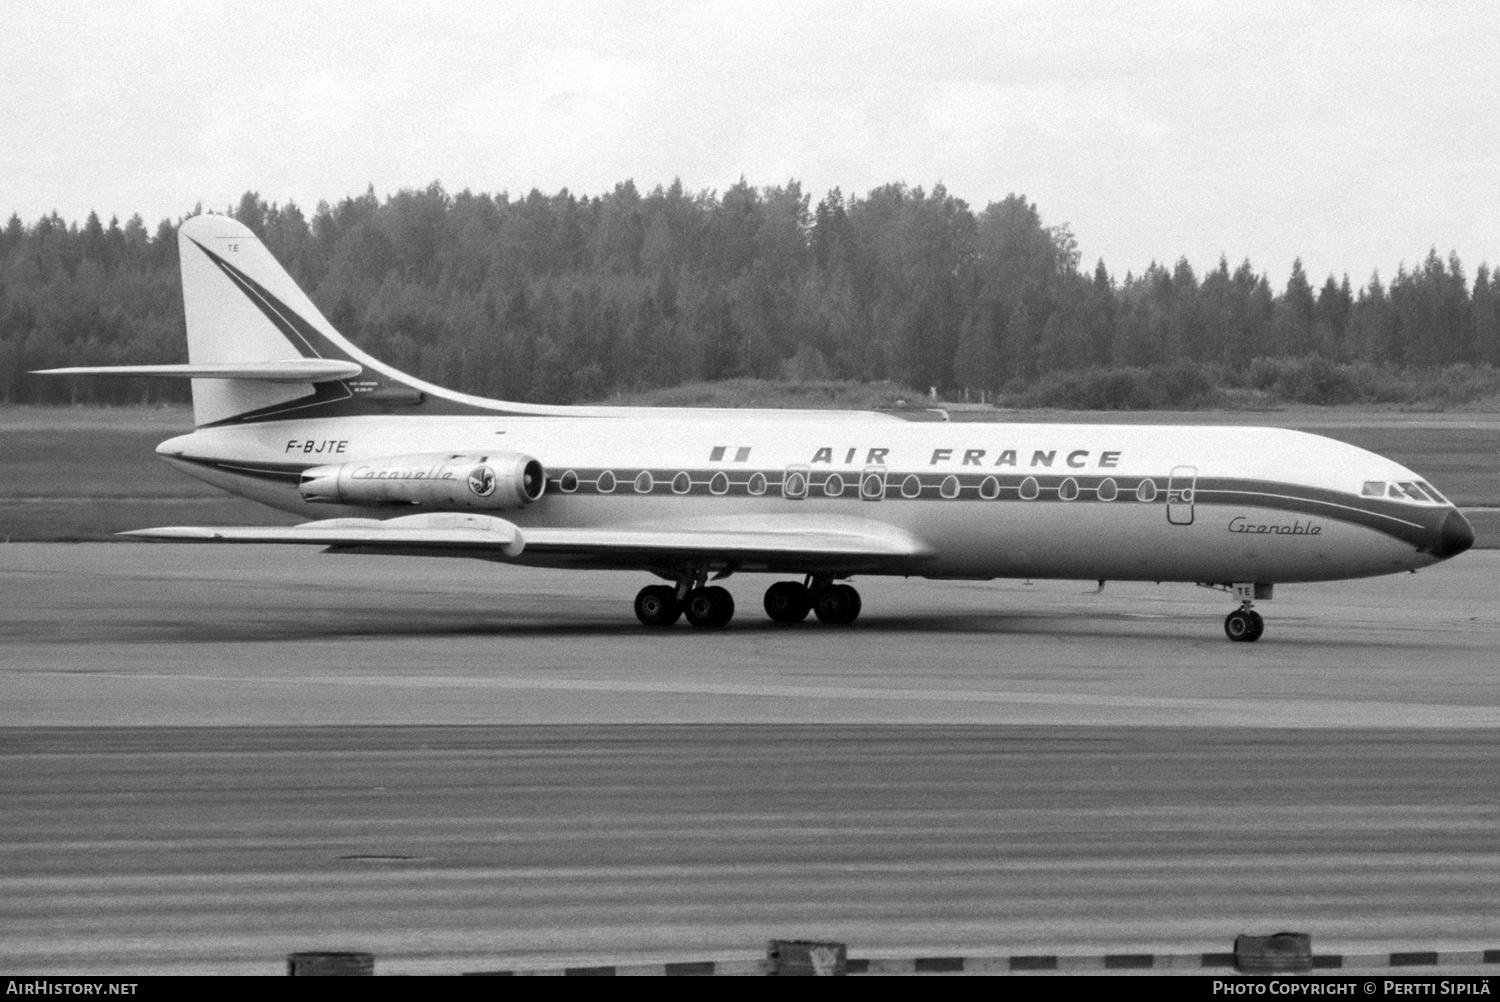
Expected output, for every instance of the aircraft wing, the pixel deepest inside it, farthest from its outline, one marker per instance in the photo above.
(806, 542)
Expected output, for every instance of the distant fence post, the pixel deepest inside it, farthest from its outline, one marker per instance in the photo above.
(802, 957)
(1285, 952)
(324, 965)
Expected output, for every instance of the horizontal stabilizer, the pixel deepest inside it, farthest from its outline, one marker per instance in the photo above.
(817, 541)
(292, 370)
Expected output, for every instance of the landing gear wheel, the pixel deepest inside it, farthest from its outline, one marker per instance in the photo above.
(788, 602)
(1244, 625)
(855, 603)
(656, 605)
(836, 604)
(709, 608)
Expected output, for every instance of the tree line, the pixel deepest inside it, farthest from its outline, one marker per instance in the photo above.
(562, 298)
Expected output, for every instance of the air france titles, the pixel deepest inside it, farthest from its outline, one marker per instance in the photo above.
(1074, 458)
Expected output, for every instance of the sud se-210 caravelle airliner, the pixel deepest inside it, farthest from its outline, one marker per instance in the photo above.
(291, 414)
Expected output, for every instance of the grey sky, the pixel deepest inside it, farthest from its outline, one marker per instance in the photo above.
(1355, 135)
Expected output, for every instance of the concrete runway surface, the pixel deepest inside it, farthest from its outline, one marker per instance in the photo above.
(972, 768)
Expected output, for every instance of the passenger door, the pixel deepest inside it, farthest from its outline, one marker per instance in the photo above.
(1180, 491)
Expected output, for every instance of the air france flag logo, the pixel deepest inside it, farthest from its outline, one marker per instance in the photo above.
(482, 481)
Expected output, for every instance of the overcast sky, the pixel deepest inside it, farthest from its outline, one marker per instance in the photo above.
(1355, 135)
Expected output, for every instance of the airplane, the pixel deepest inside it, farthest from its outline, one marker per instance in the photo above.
(289, 413)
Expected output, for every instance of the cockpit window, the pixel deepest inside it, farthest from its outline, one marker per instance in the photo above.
(1414, 492)
(1434, 492)
(1419, 490)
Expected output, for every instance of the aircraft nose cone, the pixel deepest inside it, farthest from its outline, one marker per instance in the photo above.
(1454, 536)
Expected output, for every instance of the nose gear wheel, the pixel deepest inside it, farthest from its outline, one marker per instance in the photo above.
(1244, 626)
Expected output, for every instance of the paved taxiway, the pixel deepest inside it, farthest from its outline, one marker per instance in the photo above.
(453, 849)
(100, 634)
(1153, 787)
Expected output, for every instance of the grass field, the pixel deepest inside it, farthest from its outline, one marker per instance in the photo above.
(86, 473)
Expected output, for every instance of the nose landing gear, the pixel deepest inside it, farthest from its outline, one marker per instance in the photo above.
(1244, 625)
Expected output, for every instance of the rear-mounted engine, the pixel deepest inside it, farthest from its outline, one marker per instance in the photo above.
(445, 482)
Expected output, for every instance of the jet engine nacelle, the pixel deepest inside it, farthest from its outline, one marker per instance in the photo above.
(492, 481)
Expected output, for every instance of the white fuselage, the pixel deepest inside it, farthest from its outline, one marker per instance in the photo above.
(1137, 502)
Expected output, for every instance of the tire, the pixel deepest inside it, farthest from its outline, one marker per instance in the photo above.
(1257, 626)
(1238, 626)
(788, 602)
(855, 603)
(710, 608)
(832, 604)
(656, 605)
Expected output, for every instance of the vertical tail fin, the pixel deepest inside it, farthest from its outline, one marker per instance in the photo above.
(243, 309)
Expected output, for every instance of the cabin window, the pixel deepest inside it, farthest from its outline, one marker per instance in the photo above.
(644, 482)
(989, 488)
(794, 485)
(949, 489)
(872, 486)
(757, 484)
(834, 485)
(1146, 491)
(606, 483)
(568, 482)
(911, 487)
(1373, 489)
(720, 484)
(1068, 490)
(1107, 490)
(1030, 489)
(682, 483)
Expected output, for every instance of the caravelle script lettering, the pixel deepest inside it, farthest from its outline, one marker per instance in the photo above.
(401, 473)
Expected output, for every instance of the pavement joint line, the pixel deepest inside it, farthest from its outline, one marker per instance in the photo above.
(1023, 963)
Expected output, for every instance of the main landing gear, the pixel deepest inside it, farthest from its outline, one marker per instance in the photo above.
(791, 601)
(710, 607)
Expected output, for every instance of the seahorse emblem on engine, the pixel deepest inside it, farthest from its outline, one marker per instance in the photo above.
(482, 481)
